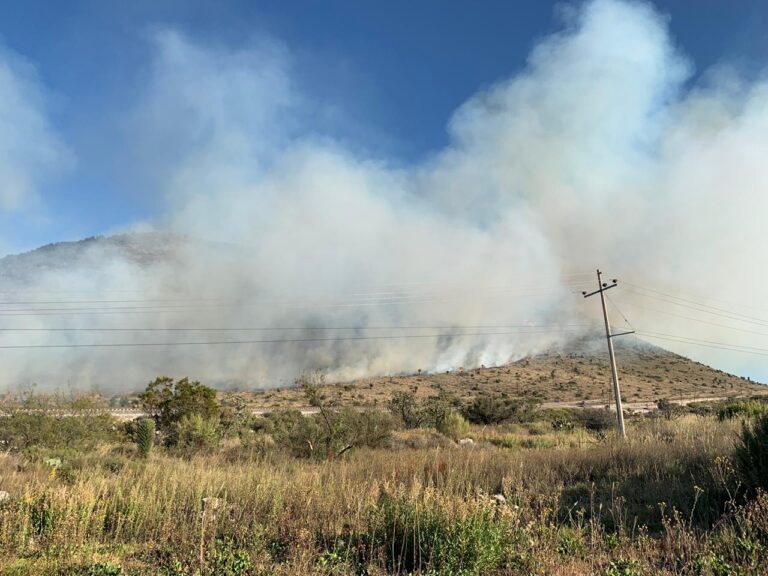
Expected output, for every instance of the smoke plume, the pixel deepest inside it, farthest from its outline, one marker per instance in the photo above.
(601, 151)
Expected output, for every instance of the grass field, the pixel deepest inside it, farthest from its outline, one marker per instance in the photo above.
(490, 471)
(530, 497)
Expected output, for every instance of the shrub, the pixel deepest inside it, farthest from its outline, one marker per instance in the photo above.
(330, 433)
(751, 454)
(596, 420)
(104, 569)
(145, 436)
(489, 410)
(403, 405)
(168, 401)
(668, 409)
(453, 425)
(229, 560)
(22, 431)
(370, 428)
(436, 409)
(194, 432)
(742, 409)
(235, 416)
(426, 538)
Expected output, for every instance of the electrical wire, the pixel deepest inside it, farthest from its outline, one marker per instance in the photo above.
(705, 343)
(265, 341)
(678, 299)
(294, 328)
(699, 320)
(730, 315)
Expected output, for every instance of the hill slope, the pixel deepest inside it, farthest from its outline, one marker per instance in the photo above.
(646, 373)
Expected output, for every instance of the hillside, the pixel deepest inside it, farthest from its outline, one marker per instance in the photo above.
(646, 373)
(141, 249)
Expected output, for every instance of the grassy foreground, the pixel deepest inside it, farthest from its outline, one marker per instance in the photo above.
(524, 499)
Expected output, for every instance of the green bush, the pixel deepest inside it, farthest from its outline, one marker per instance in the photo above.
(488, 410)
(168, 401)
(195, 432)
(403, 405)
(742, 409)
(145, 436)
(623, 567)
(453, 425)
(436, 408)
(227, 559)
(329, 433)
(104, 569)
(596, 420)
(425, 538)
(669, 409)
(751, 454)
(370, 428)
(21, 431)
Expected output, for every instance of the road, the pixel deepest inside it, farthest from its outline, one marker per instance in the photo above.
(126, 414)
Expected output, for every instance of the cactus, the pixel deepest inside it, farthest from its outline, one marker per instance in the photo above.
(145, 436)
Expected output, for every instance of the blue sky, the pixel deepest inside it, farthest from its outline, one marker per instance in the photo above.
(394, 71)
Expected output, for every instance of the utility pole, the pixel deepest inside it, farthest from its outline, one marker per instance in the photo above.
(601, 288)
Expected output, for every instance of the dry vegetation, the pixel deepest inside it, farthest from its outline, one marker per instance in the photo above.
(535, 497)
(648, 374)
(445, 475)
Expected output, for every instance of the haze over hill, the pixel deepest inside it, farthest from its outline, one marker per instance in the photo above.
(134, 289)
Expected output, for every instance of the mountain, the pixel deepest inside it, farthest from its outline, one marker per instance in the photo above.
(580, 374)
(141, 249)
(106, 265)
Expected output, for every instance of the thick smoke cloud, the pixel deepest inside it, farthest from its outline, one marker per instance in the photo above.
(598, 152)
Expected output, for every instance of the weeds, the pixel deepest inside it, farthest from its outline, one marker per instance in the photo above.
(669, 501)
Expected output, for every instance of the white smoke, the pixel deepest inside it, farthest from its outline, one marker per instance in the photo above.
(597, 153)
(30, 150)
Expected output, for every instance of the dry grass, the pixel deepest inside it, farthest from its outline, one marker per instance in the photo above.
(574, 505)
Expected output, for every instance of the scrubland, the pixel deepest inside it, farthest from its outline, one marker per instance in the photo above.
(539, 492)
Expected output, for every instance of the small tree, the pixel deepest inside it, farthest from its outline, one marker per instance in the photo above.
(195, 432)
(435, 409)
(145, 436)
(330, 422)
(168, 401)
(403, 405)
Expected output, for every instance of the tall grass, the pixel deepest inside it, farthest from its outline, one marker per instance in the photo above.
(658, 503)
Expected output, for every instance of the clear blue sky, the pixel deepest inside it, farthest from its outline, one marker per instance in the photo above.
(397, 68)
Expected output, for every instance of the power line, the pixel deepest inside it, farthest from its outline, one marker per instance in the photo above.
(700, 300)
(295, 328)
(692, 319)
(615, 307)
(729, 315)
(361, 295)
(736, 315)
(217, 302)
(269, 341)
(185, 308)
(706, 343)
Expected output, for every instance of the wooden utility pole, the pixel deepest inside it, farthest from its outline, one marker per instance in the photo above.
(601, 288)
